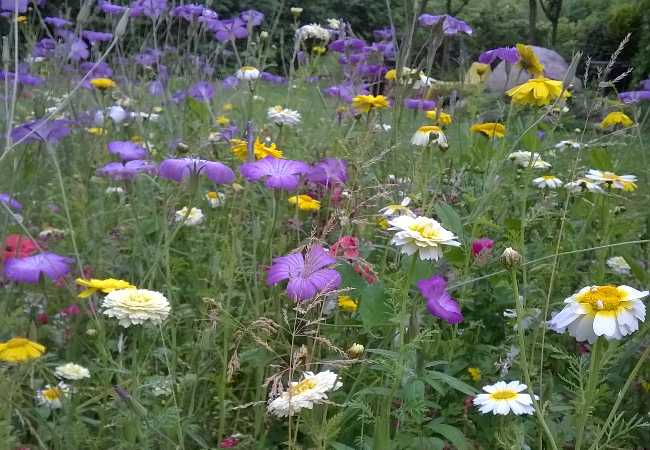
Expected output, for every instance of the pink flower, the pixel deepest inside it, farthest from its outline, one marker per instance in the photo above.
(480, 245)
(349, 245)
(42, 318)
(365, 273)
(336, 196)
(229, 442)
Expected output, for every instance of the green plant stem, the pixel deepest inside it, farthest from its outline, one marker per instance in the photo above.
(594, 368)
(524, 362)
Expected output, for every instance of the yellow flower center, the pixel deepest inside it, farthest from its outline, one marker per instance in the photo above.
(610, 176)
(602, 298)
(548, 177)
(428, 129)
(303, 386)
(247, 68)
(139, 297)
(507, 394)
(212, 195)
(17, 342)
(425, 230)
(52, 394)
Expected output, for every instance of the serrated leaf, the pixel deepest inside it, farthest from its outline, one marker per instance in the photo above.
(452, 434)
(449, 218)
(452, 382)
(373, 306)
(600, 159)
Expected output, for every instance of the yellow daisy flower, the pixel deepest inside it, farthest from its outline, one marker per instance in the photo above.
(529, 61)
(319, 49)
(366, 102)
(102, 83)
(489, 129)
(221, 120)
(137, 140)
(21, 19)
(97, 131)
(228, 106)
(537, 92)
(106, 286)
(475, 372)
(444, 119)
(305, 202)
(348, 303)
(240, 149)
(20, 350)
(615, 118)
(262, 151)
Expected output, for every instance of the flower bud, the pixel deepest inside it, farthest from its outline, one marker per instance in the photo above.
(91, 332)
(264, 35)
(84, 13)
(6, 54)
(121, 25)
(296, 11)
(511, 259)
(355, 351)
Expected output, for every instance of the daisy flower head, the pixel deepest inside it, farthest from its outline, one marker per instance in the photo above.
(422, 235)
(502, 397)
(424, 135)
(400, 210)
(20, 350)
(489, 129)
(305, 202)
(619, 265)
(51, 396)
(583, 183)
(135, 307)
(262, 150)
(71, 371)
(313, 31)
(102, 83)
(548, 181)
(625, 182)
(106, 286)
(529, 61)
(247, 73)
(522, 159)
(365, 103)
(442, 119)
(537, 92)
(281, 116)
(194, 218)
(348, 303)
(609, 311)
(615, 118)
(216, 199)
(568, 143)
(311, 390)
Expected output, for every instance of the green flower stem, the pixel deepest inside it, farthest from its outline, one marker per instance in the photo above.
(524, 362)
(277, 197)
(594, 368)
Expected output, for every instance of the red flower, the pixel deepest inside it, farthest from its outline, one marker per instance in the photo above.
(18, 247)
(229, 442)
(42, 318)
(365, 273)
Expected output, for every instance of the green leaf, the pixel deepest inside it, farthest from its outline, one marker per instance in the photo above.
(382, 352)
(350, 278)
(449, 218)
(530, 140)
(374, 308)
(196, 438)
(484, 221)
(452, 434)
(600, 159)
(637, 270)
(451, 382)
(339, 446)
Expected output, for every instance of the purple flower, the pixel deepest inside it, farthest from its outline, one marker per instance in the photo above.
(96, 36)
(43, 47)
(645, 84)
(386, 48)
(109, 8)
(29, 269)
(376, 70)
(22, 78)
(127, 150)
(225, 30)
(347, 45)
(227, 134)
(202, 91)
(78, 50)
(634, 96)
(57, 22)
(282, 173)
(348, 90)
(255, 17)
(329, 172)
(229, 82)
(306, 275)
(187, 12)
(509, 54)
(10, 5)
(274, 79)
(312, 79)
(127, 171)
(153, 8)
(97, 70)
(414, 103)
(8, 200)
(144, 59)
(176, 169)
(439, 302)
(450, 26)
(40, 130)
(178, 97)
(384, 34)
(541, 135)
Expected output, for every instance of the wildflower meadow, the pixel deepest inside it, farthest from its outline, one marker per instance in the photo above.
(257, 231)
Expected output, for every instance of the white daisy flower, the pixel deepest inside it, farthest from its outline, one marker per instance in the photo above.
(547, 181)
(502, 397)
(304, 394)
(334, 24)
(583, 183)
(114, 190)
(522, 159)
(625, 182)
(135, 306)
(400, 209)
(422, 235)
(382, 127)
(281, 116)
(71, 371)
(51, 396)
(609, 311)
(216, 199)
(619, 265)
(313, 31)
(427, 134)
(568, 143)
(194, 218)
(247, 73)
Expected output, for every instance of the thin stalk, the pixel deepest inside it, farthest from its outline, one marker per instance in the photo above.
(594, 368)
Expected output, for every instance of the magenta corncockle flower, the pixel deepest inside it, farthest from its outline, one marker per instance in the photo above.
(280, 173)
(450, 26)
(127, 150)
(176, 169)
(329, 172)
(254, 16)
(96, 36)
(10, 5)
(306, 274)
(8, 200)
(127, 171)
(508, 54)
(481, 245)
(225, 30)
(29, 269)
(439, 302)
(40, 130)
(57, 22)
(230, 441)
(201, 91)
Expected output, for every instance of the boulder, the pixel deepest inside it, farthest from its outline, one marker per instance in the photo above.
(555, 68)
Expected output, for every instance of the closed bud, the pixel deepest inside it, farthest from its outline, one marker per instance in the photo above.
(6, 55)
(91, 332)
(566, 83)
(511, 259)
(355, 351)
(121, 25)
(84, 13)
(182, 148)
(444, 147)
(264, 35)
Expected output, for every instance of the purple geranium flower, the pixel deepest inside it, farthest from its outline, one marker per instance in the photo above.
(254, 16)
(23, 78)
(127, 171)
(96, 36)
(29, 269)
(57, 22)
(225, 30)
(43, 47)
(509, 54)
(414, 103)
(227, 134)
(375, 69)
(97, 70)
(202, 91)
(306, 275)
(229, 82)
(40, 130)
(645, 84)
(127, 150)
(634, 96)
(386, 48)
(450, 26)
(176, 169)
(144, 59)
(282, 173)
(329, 172)
(152, 8)
(439, 302)
(178, 97)
(8, 200)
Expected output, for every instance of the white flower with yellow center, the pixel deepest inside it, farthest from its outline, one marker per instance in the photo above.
(247, 73)
(609, 311)
(194, 218)
(304, 394)
(334, 24)
(313, 31)
(568, 143)
(501, 398)
(71, 371)
(427, 134)
(625, 182)
(547, 181)
(280, 116)
(51, 396)
(216, 199)
(583, 183)
(400, 210)
(619, 265)
(134, 307)
(422, 235)
(522, 159)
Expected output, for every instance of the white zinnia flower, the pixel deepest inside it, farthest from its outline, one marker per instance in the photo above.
(547, 181)
(400, 209)
(51, 396)
(247, 73)
(312, 389)
(71, 371)
(568, 143)
(427, 134)
(501, 398)
(313, 31)
(576, 186)
(281, 116)
(609, 311)
(619, 265)
(625, 182)
(135, 306)
(421, 234)
(194, 218)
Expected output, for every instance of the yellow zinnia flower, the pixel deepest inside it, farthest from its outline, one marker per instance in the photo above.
(347, 303)
(537, 92)
(444, 119)
(475, 372)
(529, 61)
(221, 120)
(20, 350)
(102, 83)
(305, 202)
(262, 151)
(614, 118)
(97, 131)
(366, 102)
(106, 286)
(240, 149)
(489, 129)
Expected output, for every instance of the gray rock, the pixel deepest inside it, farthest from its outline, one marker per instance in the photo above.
(555, 68)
